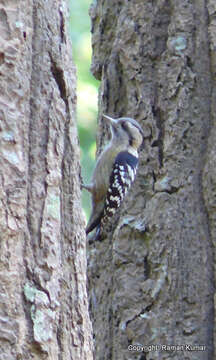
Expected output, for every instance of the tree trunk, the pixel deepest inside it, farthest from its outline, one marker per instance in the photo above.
(43, 298)
(152, 280)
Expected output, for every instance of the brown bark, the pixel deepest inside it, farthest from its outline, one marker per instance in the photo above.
(152, 280)
(43, 298)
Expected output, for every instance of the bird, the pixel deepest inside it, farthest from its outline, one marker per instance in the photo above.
(114, 172)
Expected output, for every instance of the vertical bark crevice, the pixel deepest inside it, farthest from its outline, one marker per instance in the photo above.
(159, 142)
(58, 75)
(37, 146)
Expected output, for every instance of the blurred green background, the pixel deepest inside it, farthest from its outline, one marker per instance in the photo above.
(87, 90)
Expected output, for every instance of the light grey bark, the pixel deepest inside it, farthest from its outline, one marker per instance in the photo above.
(43, 298)
(152, 281)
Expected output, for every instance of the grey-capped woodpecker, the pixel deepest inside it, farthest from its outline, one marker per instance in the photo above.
(114, 172)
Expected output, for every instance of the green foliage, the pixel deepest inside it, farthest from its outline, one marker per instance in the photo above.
(87, 89)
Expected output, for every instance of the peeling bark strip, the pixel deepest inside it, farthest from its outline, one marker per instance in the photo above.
(152, 281)
(43, 298)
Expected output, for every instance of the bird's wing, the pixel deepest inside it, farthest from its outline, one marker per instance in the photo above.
(121, 178)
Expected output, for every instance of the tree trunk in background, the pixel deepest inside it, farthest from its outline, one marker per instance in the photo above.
(152, 282)
(43, 298)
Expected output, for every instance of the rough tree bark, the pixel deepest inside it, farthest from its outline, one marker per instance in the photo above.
(43, 298)
(152, 281)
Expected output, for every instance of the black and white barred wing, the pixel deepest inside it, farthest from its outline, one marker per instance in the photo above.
(123, 175)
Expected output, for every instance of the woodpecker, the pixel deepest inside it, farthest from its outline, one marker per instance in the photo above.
(114, 172)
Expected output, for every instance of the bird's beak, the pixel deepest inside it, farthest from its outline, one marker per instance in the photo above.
(112, 122)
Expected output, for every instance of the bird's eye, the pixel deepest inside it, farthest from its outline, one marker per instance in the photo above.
(123, 125)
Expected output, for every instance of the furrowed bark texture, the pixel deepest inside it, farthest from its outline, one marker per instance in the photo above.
(152, 281)
(43, 299)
